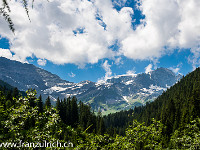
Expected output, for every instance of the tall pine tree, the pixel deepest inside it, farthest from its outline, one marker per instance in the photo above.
(48, 102)
(40, 104)
(74, 112)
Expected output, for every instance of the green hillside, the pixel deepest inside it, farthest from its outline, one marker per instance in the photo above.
(175, 108)
(170, 122)
(5, 85)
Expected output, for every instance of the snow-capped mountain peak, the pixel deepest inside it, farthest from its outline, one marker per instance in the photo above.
(116, 93)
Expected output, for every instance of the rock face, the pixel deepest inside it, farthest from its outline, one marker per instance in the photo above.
(25, 76)
(128, 91)
(114, 94)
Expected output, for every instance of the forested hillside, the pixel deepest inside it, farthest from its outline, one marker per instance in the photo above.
(4, 85)
(9, 92)
(171, 121)
(174, 108)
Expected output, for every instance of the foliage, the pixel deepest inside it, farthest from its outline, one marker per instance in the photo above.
(187, 137)
(5, 10)
(26, 124)
(74, 114)
(175, 108)
(140, 136)
(26, 119)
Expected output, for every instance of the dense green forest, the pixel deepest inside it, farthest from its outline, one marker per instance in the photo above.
(175, 108)
(170, 122)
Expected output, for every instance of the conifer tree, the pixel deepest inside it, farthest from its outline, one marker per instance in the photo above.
(81, 115)
(9, 95)
(48, 102)
(15, 93)
(32, 98)
(74, 112)
(101, 129)
(68, 111)
(58, 104)
(100, 123)
(64, 110)
(40, 104)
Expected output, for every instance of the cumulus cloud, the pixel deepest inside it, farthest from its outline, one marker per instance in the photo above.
(195, 58)
(106, 67)
(7, 54)
(72, 75)
(108, 72)
(53, 32)
(81, 31)
(158, 27)
(118, 61)
(41, 62)
(119, 3)
(164, 28)
(148, 68)
(131, 72)
(177, 68)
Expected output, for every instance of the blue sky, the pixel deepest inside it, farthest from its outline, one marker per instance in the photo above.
(93, 40)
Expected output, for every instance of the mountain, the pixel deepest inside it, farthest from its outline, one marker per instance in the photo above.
(114, 94)
(25, 76)
(175, 108)
(8, 89)
(127, 91)
(5, 85)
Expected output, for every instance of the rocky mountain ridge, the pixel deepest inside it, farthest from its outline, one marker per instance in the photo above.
(114, 94)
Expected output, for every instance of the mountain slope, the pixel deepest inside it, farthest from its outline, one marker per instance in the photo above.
(25, 76)
(114, 94)
(176, 107)
(127, 91)
(5, 85)
(6, 88)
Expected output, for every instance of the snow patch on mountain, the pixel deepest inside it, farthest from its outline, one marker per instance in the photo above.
(117, 92)
(153, 88)
(129, 82)
(126, 99)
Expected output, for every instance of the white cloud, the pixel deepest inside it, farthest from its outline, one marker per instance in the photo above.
(108, 73)
(119, 3)
(41, 62)
(5, 53)
(106, 67)
(131, 72)
(177, 68)
(150, 37)
(50, 34)
(148, 68)
(189, 25)
(53, 33)
(195, 58)
(118, 61)
(177, 25)
(72, 75)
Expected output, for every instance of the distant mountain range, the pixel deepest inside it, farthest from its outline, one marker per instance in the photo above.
(114, 94)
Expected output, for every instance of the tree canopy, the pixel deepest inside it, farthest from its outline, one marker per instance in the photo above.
(5, 10)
